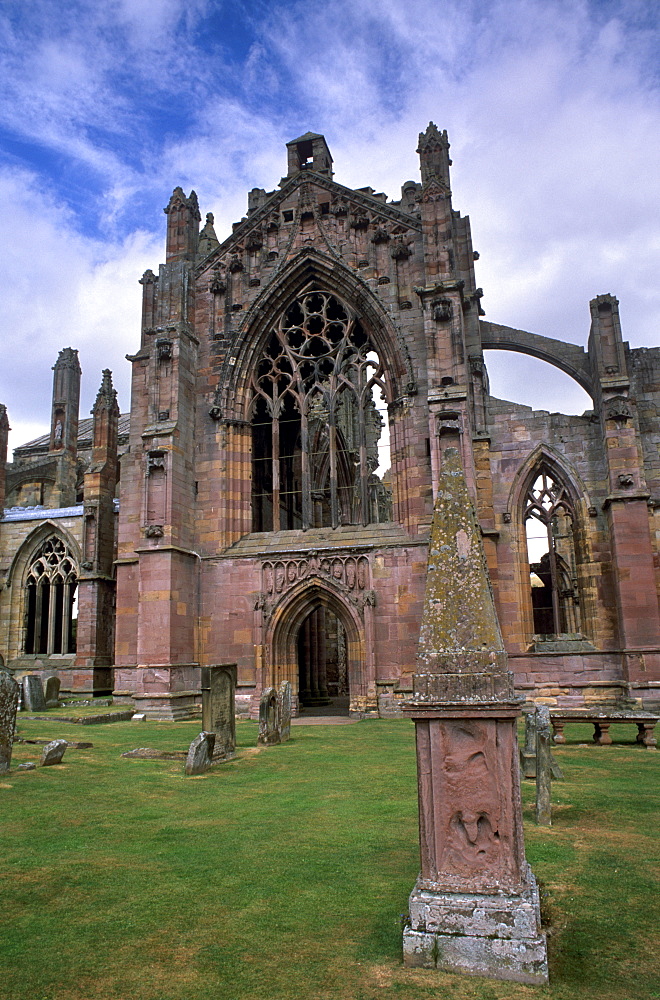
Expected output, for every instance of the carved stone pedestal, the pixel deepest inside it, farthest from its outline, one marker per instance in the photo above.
(496, 935)
(475, 905)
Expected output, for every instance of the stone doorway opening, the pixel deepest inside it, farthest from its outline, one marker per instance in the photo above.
(323, 685)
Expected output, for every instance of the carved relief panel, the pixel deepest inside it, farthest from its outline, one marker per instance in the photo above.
(347, 573)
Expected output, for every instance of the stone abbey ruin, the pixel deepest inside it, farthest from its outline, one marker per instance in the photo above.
(268, 501)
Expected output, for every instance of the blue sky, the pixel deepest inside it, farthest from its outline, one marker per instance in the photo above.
(552, 108)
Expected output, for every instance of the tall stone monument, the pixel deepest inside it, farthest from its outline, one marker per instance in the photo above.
(8, 705)
(475, 905)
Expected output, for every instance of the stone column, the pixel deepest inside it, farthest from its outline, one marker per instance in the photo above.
(475, 906)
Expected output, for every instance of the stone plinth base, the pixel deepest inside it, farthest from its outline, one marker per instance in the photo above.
(168, 706)
(498, 936)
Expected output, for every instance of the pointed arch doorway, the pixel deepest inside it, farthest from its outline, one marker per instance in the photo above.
(317, 644)
(323, 687)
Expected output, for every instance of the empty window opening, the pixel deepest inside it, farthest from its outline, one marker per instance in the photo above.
(51, 600)
(549, 528)
(317, 425)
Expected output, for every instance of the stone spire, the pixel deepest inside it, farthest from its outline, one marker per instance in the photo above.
(208, 241)
(433, 152)
(183, 220)
(96, 585)
(64, 424)
(461, 657)
(4, 437)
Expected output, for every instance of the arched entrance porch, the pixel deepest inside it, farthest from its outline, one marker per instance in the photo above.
(316, 642)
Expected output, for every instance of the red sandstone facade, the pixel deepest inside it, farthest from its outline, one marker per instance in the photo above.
(256, 525)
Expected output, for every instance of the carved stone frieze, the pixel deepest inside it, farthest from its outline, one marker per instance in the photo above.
(347, 573)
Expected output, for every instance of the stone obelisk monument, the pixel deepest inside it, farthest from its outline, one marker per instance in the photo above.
(475, 905)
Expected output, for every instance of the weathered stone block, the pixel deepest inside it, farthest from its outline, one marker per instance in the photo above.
(53, 753)
(269, 723)
(200, 754)
(497, 935)
(284, 709)
(9, 692)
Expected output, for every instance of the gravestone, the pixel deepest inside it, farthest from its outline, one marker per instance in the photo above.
(33, 694)
(269, 723)
(8, 709)
(52, 692)
(543, 766)
(53, 752)
(528, 753)
(219, 707)
(200, 754)
(284, 706)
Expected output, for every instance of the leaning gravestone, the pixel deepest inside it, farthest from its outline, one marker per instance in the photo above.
(269, 723)
(284, 705)
(218, 707)
(33, 694)
(8, 708)
(52, 692)
(200, 754)
(528, 754)
(543, 766)
(53, 752)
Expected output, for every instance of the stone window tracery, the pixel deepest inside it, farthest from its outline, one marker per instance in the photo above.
(315, 423)
(50, 592)
(549, 518)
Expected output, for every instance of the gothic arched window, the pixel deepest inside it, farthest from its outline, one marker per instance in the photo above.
(550, 526)
(50, 592)
(315, 423)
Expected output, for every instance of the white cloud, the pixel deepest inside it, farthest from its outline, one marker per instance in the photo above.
(552, 109)
(63, 290)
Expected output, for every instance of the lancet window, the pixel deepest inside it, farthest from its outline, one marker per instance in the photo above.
(50, 593)
(315, 421)
(550, 531)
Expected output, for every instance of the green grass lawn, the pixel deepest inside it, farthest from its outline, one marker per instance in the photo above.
(284, 873)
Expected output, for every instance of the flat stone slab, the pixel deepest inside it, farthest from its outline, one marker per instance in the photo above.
(324, 720)
(70, 746)
(84, 720)
(145, 753)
